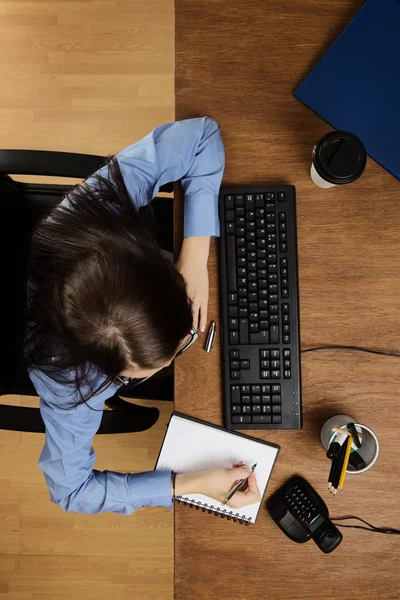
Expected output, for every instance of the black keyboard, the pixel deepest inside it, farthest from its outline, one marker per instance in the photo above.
(260, 308)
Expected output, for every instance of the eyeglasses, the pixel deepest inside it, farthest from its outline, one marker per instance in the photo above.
(185, 345)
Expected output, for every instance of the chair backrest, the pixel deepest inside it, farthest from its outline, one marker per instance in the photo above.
(22, 204)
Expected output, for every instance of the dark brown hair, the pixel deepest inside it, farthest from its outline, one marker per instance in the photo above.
(102, 294)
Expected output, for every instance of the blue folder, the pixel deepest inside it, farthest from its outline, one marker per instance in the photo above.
(356, 85)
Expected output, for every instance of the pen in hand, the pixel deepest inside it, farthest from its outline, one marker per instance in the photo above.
(236, 488)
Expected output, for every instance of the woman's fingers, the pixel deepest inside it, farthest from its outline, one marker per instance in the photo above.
(253, 487)
(195, 313)
(203, 316)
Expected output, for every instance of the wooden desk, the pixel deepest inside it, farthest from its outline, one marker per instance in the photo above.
(239, 62)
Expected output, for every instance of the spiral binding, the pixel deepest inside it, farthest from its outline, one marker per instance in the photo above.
(217, 510)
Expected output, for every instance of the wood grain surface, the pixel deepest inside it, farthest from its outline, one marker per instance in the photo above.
(240, 62)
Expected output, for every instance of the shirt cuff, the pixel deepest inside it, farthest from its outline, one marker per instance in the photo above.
(201, 215)
(150, 489)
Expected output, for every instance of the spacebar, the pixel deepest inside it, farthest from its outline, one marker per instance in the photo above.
(231, 263)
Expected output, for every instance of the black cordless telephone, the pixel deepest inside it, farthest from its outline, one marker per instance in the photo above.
(302, 514)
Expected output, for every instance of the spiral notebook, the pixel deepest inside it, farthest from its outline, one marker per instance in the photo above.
(193, 445)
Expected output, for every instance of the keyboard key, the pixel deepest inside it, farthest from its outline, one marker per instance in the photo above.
(255, 389)
(265, 374)
(229, 201)
(281, 196)
(249, 202)
(232, 299)
(256, 408)
(286, 353)
(236, 408)
(259, 338)
(260, 419)
(242, 419)
(266, 398)
(244, 331)
(286, 339)
(230, 230)
(242, 302)
(275, 364)
(245, 389)
(243, 312)
(240, 211)
(274, 319)
(275, 374)
(264, 325)
(233, 338)
(282, 216)
(265, 364)
(276, 409)
(266, 409)
(276, 399)
(239, 200)
(235, 394)
(235, 374)
(234, 354)
(285, 293)
(264, 354)
(283, 247)
(246, 408)
(233, 324)
(276, 388)
(246, 399)
(254, 328)
(234, 365)
(276, 419)
(286, 329)
(259, 201)
(275, 353)
(274, 334)
(287, 374)
(245, 364)
(256, 399)
(286, 364)
(285, 308)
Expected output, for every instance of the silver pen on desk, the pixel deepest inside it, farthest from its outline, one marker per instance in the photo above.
(210, 337)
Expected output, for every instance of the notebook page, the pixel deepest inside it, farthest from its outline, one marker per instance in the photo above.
(191, 446)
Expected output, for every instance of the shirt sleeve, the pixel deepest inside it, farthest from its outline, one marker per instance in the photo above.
(67, 459)
(190, 150)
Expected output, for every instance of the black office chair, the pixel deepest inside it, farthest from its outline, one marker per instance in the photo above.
(22, 204)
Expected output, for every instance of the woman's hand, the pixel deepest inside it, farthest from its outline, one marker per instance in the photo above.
(217, 483)
(192, 265)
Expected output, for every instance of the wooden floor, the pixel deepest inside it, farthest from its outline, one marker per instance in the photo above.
(85, 76)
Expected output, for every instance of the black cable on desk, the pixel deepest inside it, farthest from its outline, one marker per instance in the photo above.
(351, 349)
(372, 528)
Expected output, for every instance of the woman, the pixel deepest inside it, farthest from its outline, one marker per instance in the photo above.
(104, 304)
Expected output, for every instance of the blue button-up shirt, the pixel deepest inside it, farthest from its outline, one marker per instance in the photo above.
(189, 150)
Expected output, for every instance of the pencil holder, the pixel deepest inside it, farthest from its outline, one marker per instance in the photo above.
(369, 450)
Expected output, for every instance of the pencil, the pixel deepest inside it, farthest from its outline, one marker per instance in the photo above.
(341, 431)
(345, 462)
(338, 468)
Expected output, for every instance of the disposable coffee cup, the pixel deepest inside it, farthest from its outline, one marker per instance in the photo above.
(369, 450)
(338, 158)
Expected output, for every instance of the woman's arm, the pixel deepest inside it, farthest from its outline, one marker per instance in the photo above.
(190, 150)
(68, 458)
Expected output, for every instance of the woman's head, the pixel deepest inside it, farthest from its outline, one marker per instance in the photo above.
(104, 295)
